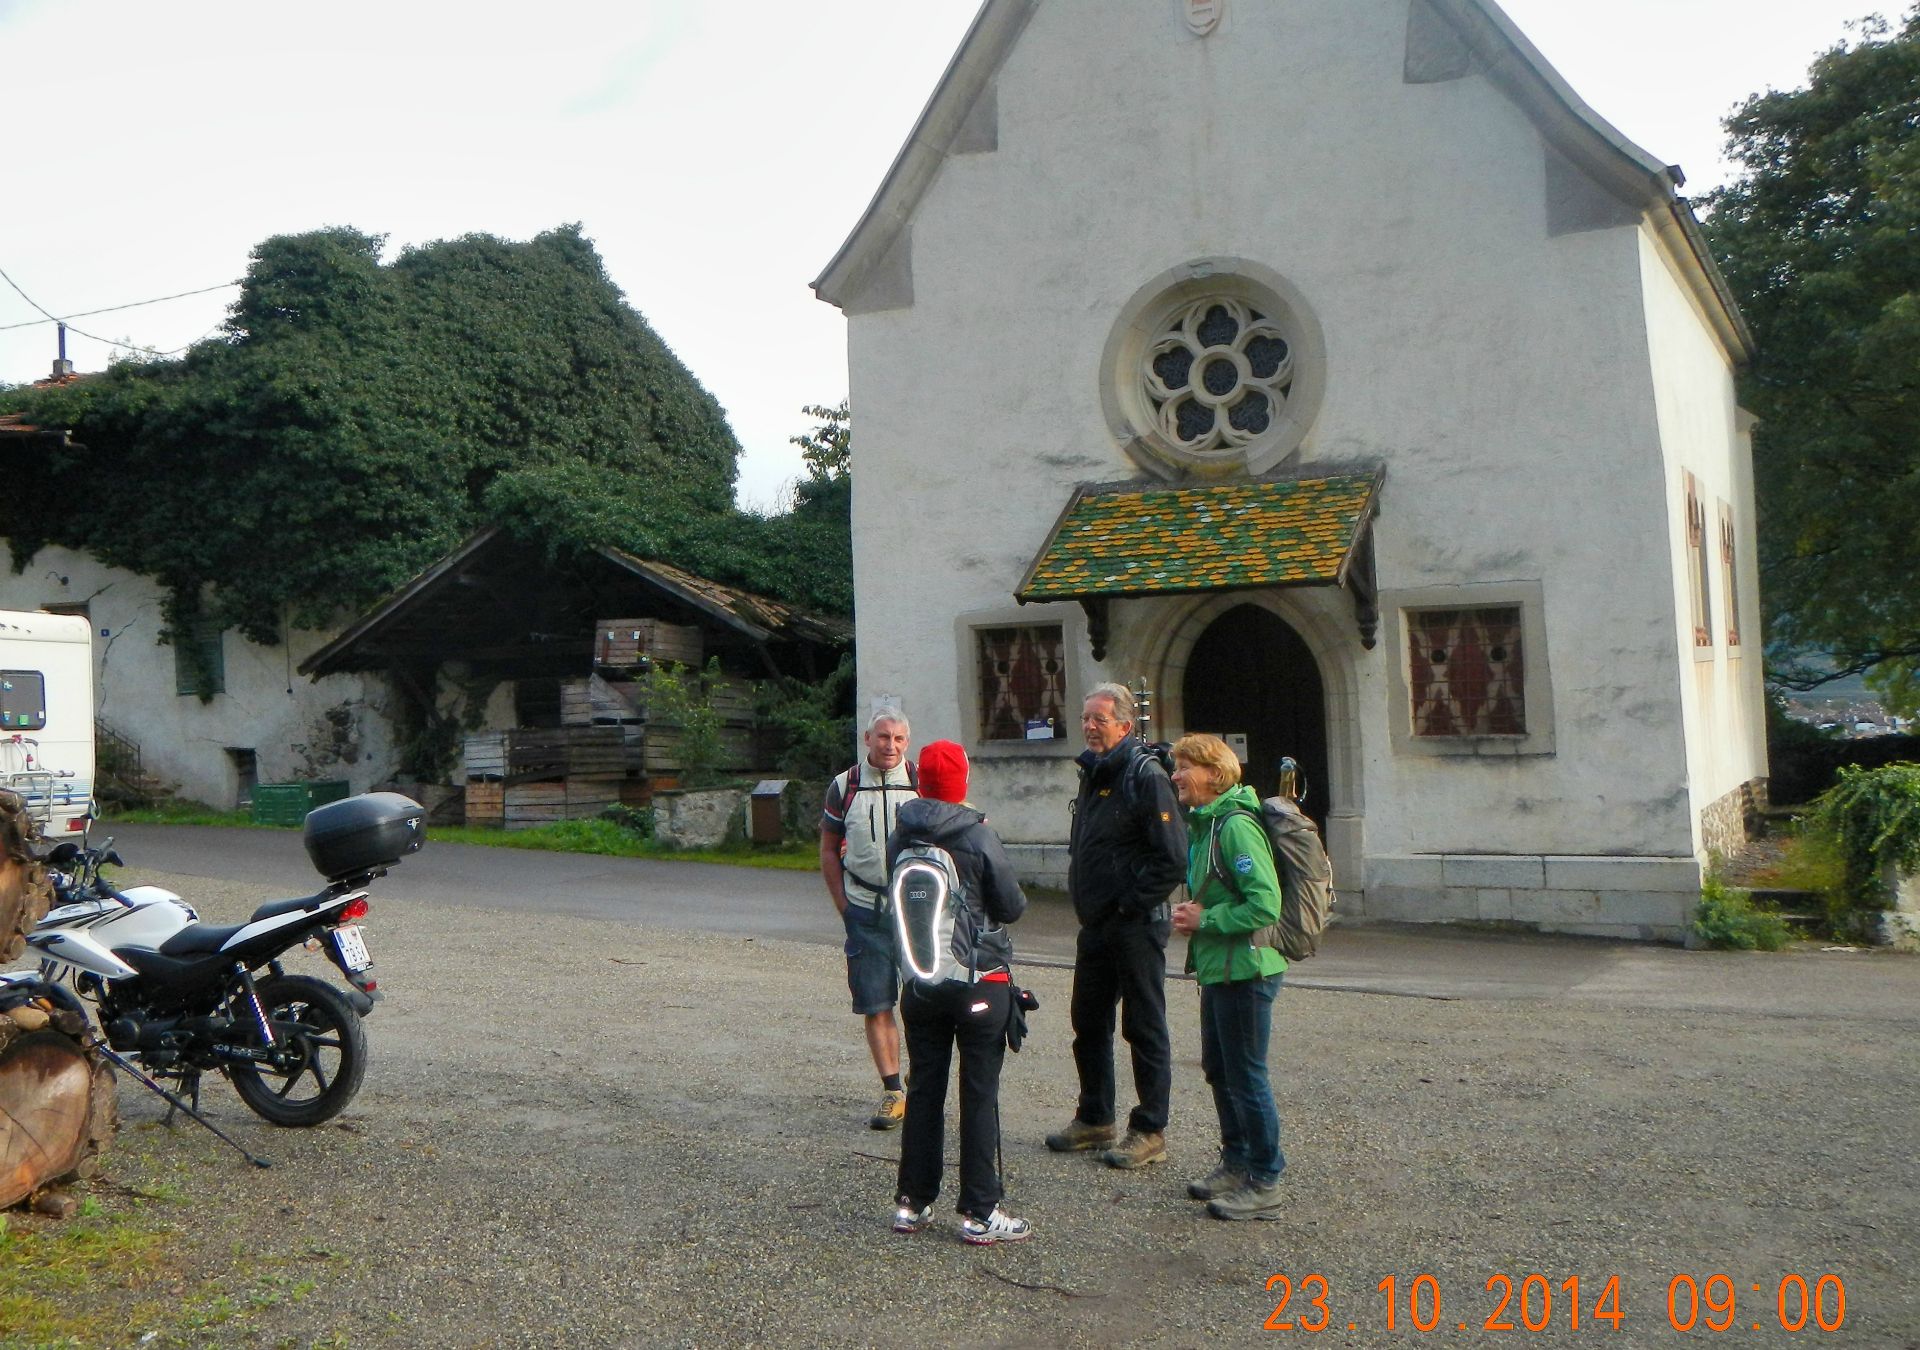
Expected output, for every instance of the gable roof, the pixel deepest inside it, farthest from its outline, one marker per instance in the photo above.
(505, 604)
(1499, 50)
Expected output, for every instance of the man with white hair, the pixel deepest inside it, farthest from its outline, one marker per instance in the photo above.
(859, 815)
(1127, 852)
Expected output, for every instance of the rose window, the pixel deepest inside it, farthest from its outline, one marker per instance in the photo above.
(1218, 375)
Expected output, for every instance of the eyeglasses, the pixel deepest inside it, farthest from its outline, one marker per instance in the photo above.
(1098, 721)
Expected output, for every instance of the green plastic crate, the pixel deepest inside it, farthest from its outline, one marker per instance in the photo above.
(288, 803)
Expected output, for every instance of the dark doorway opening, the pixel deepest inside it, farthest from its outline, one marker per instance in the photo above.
(1251, 673)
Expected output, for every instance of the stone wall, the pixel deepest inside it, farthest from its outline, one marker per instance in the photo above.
(1731, 820)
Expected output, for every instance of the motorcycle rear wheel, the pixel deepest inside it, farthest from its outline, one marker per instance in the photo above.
(326, 1049)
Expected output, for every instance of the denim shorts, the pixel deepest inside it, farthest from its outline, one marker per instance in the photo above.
(872, 978)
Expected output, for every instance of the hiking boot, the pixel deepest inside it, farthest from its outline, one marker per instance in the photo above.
(1248, 1202)
(1137, 1150)
(998, 1226)
(1079, 1137)
(1217, 1182)
(892, 1111)
(907, 1219)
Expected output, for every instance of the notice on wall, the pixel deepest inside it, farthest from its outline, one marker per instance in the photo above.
(1236, 742)
(1041, 729)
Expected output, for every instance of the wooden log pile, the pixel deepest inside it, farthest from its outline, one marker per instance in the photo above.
(57, 1103)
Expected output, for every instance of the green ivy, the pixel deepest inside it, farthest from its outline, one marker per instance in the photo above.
(358, 418)
(1871, 817)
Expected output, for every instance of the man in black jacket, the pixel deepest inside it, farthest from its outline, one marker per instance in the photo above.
(1128, 850)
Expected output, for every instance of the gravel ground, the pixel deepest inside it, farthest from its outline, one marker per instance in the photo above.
(579, 1134)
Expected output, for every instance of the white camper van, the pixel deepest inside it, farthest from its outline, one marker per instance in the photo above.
(46, 716)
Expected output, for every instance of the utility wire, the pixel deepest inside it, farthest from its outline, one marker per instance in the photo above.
(110, 342)
(110, 309)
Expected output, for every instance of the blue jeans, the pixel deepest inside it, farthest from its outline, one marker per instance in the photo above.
(1236, 1022)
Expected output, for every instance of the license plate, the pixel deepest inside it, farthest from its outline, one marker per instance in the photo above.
(352, 947)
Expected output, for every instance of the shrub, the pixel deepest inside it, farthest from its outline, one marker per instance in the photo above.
(1871, 818)
(1727, 917)
(813, 722)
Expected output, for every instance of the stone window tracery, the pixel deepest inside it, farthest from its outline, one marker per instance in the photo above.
(1215, 367)
(1245, 371)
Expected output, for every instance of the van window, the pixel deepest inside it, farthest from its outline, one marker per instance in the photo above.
(23, 700)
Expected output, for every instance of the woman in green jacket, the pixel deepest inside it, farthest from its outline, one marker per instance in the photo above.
(1236, 890)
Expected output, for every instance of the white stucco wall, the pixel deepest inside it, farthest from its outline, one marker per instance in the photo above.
(1701, 433)
(267, 707)
(1500, 374)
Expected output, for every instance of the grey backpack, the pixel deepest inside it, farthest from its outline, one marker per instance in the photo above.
(934, 928)
(1306, 878)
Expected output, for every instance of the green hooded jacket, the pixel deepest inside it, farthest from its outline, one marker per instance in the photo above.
(1246, 899)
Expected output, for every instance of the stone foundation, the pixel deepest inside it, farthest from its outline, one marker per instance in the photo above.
(1727, 824)
(1640, 899)
(1643, 899)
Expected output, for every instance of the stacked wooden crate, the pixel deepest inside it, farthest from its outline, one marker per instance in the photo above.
(536, 775)
(627, 644)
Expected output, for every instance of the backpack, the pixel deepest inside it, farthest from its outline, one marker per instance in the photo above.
(934, 927)
(1306, 878)
(855, 787)
(1148, 752)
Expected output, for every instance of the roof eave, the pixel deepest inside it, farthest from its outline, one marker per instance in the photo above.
(989, 38)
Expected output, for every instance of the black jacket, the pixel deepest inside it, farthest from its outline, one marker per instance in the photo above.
(986, 874)
(1129, 840)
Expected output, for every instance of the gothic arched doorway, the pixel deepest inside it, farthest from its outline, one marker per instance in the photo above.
(1250, 673)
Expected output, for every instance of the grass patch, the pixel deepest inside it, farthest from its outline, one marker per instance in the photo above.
(605, 837)
(120, 1274)
(1807, 863)
(1726, 917)
(178, 811)
(617, 841)
(53, 1274)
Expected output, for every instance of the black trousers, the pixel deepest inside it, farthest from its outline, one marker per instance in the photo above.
(973, 1017)
(1122, 961)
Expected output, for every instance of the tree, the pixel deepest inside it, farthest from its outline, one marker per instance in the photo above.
(1817, 239)
(358, 418)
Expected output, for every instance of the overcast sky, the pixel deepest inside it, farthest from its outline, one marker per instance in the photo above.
(717, 151)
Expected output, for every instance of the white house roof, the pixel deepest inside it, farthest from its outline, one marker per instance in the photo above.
(1500, 51)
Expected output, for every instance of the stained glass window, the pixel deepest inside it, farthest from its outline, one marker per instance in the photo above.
(1729, 575)
(1022, 682)
(1467, 672)
(1701, 598)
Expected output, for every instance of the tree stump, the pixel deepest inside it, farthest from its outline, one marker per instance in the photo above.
(24, 893)
(57, 1103)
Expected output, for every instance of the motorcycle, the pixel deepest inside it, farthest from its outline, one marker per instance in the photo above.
(180, 998)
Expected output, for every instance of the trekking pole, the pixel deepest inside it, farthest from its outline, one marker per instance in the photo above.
(176, 1103)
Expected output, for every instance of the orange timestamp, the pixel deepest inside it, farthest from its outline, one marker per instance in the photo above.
(1537, 1302)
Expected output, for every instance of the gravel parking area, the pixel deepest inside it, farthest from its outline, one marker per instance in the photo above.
(584, 1134)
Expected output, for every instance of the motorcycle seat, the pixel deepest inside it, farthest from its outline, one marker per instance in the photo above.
(287, 906)
(199, 939)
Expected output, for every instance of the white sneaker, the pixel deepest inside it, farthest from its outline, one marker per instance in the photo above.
(907, 1219)
(998, 1226)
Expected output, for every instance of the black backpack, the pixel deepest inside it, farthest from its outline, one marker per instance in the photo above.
(1306, 878)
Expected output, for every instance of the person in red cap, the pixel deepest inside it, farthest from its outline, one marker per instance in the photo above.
(970, 1010)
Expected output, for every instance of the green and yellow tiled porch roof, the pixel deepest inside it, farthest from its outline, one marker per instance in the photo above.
(1127, 539)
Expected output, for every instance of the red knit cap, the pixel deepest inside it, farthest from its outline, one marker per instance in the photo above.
(943, 772)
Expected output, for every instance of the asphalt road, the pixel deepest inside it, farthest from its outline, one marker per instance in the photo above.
(1410, 960)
